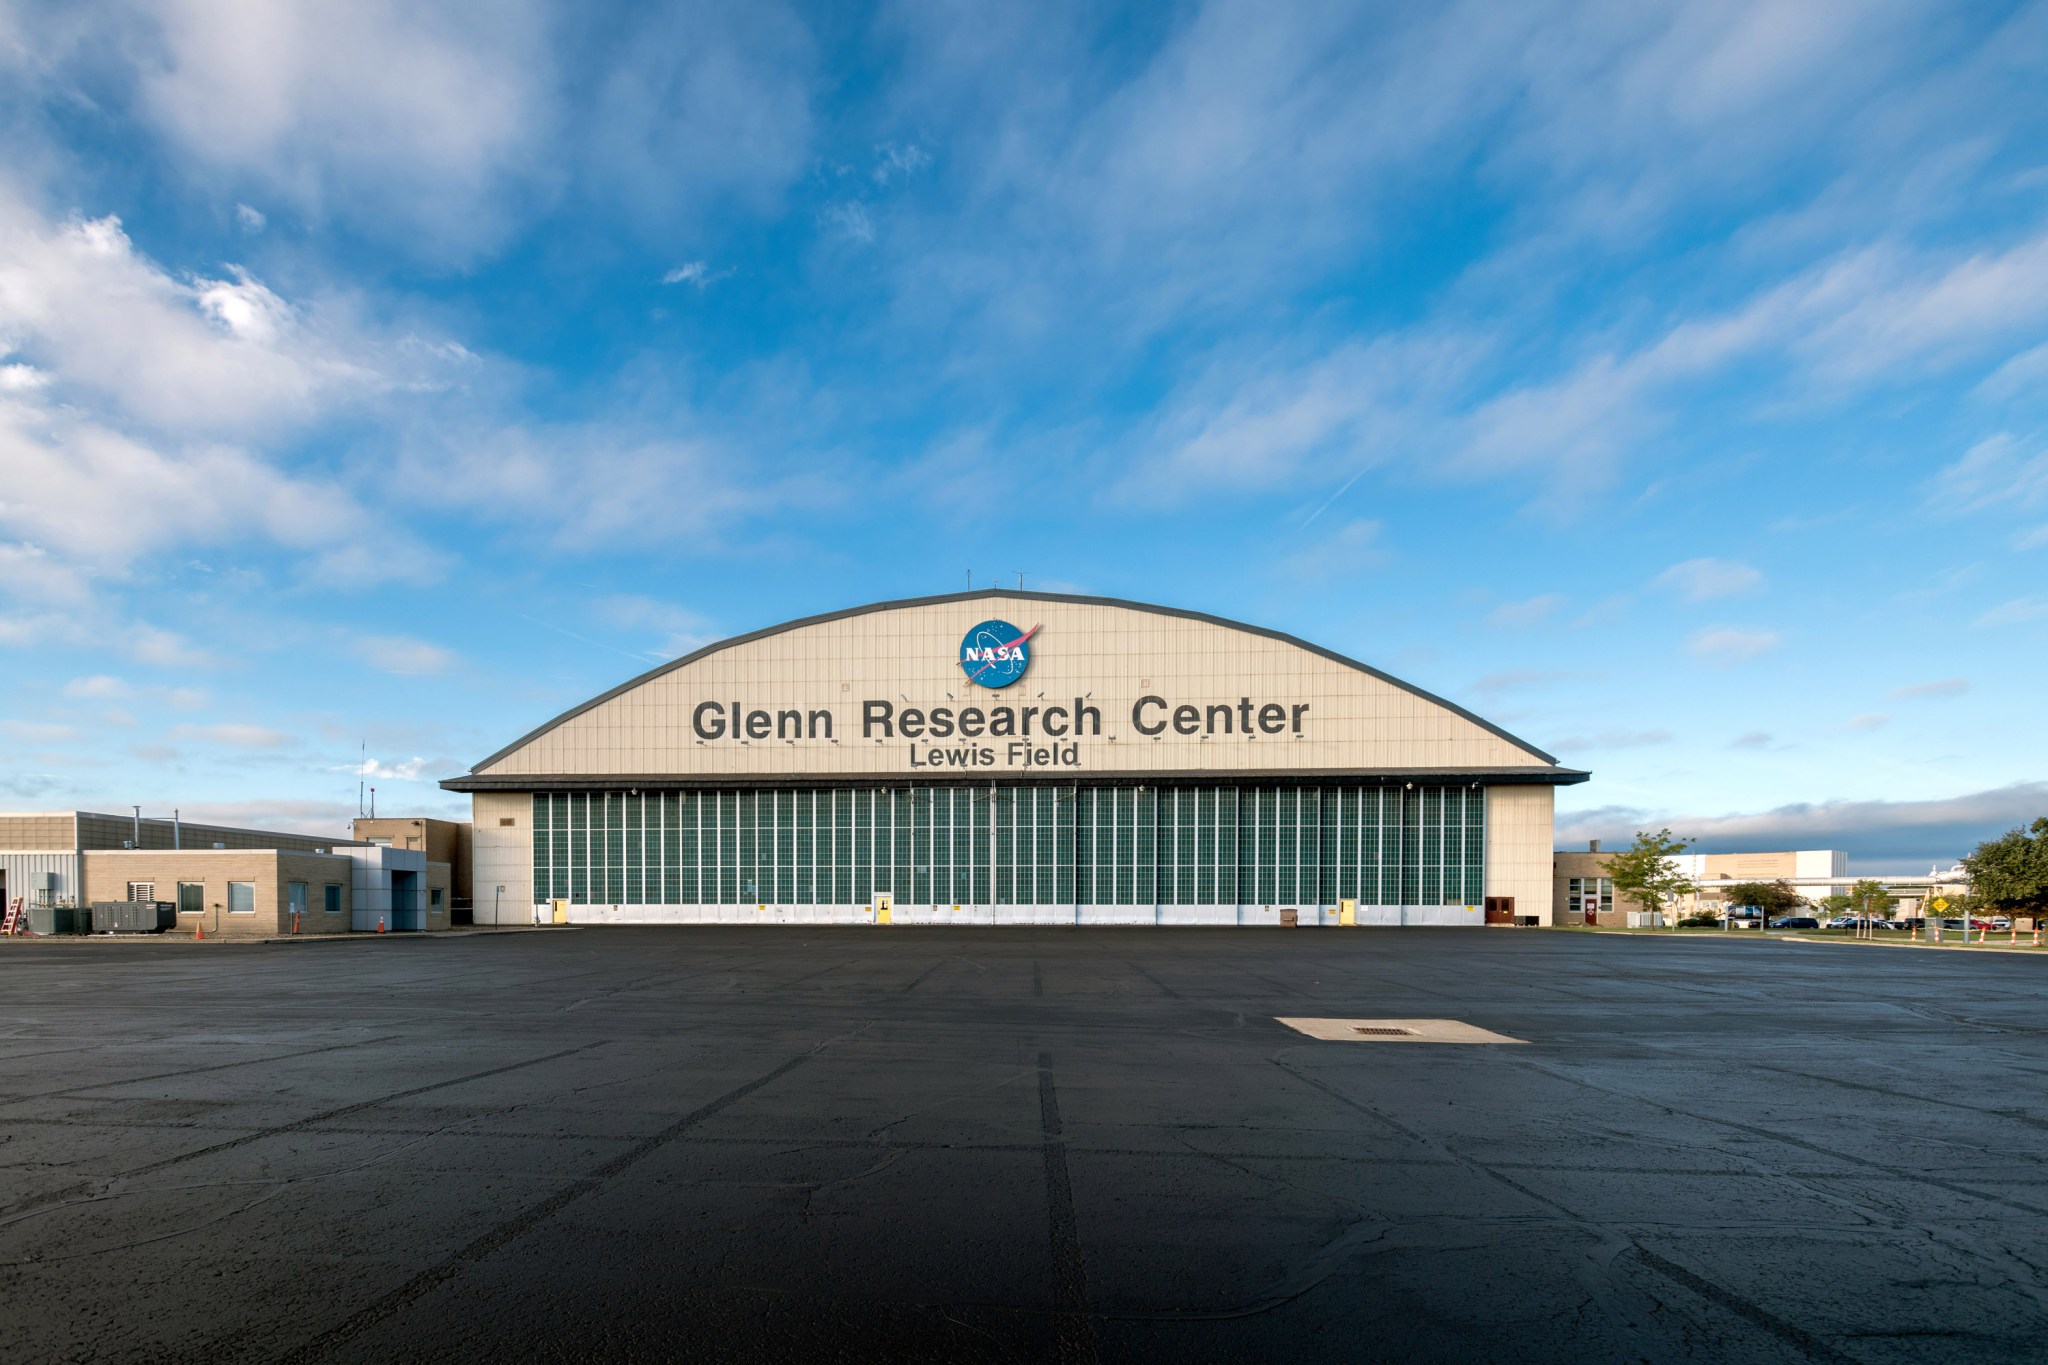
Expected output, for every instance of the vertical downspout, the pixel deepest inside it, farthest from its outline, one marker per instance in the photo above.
(177, 831)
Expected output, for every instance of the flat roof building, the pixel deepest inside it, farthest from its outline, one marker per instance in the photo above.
(227, 881)
(1004, 757)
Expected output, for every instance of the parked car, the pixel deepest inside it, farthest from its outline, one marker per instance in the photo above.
(1796, 922)
(2001, 923)
(1845, 922)
(1745, 917)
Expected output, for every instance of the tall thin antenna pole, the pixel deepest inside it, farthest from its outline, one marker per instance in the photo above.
(970, 580)
(362, 770)
(1020, 580)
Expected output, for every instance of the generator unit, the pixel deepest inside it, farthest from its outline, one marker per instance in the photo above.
(133, 917)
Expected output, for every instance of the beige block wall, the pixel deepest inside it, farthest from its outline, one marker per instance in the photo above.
(439, 878)
(1581, 864)
(1520, 825)
(502, 855)
(109, 871)
(39, 831)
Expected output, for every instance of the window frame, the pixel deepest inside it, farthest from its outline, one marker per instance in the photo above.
(251, 888)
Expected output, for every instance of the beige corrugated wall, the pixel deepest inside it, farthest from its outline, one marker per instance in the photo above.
(503, 856)
(1518, 839)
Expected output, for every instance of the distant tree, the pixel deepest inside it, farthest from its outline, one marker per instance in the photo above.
(1870, 899)
(1838, 905)
(1772, 898)
(1645, 873)
(2011, 871)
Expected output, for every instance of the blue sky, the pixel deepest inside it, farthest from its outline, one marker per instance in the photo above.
(1667, 383)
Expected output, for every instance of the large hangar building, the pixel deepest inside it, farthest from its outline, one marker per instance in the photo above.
(1004, 757)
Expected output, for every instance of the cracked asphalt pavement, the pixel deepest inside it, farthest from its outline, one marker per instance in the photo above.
(1018, 1145)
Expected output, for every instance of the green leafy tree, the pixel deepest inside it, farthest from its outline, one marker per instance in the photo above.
(1837, 905)
(1870, 898)
(1773, 898)
(1645, 873)
(2011, 871)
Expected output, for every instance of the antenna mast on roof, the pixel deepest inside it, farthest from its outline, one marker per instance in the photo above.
(362, 770)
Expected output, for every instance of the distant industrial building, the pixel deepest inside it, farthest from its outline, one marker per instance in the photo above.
(224, 881)
(1584, 891)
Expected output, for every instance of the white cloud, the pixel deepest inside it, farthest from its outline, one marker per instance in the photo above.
(166, 649)
(2018, 612)
(1533, 611)
(39, 732)
(326, 818)
(1880, 834)
(1996, 472)
(403, 655)
(1754, 739)
(697, 273)
(1946, 687)
(148, 388)
(698, 107)
(248, 219)
(1701, 580)
(1727, 645)
(899, 162)
(849, 220)
(406, 119)
(378, 770)
(678, 629)
(234, 735)
(1520, 680)
(100, 686)
(1613, 739)
(1870, 720)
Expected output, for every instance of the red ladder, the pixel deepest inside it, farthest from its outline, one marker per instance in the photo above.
(14, 923)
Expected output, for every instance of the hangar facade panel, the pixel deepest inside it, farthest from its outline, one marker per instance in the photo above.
(1150, 765)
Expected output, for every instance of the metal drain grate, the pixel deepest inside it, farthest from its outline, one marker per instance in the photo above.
(1387, 1032)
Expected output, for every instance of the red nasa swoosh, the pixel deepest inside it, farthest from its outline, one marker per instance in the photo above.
(976, 674)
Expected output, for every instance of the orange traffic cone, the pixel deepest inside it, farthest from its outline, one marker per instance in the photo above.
(380, 924)
(199, 933)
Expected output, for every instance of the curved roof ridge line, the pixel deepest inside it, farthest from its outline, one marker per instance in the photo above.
(1016, 594)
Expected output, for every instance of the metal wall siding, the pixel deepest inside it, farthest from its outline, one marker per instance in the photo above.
(1014, 845)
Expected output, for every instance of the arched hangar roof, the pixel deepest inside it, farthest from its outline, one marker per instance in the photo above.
(1133, 666)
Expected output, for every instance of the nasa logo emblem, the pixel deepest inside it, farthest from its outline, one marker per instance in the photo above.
(995, 653)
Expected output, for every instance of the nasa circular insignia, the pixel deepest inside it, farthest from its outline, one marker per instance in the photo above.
(995, 653)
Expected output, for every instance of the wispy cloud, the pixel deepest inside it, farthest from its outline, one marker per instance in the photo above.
(898, 161)
(1880, 835)
(1945, 687)
(1612, 739)
(233, 735)
(698, 274)
(850, 220)
(1531, 611)
(1702, 580)
(403, 654)
(1728, 645)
